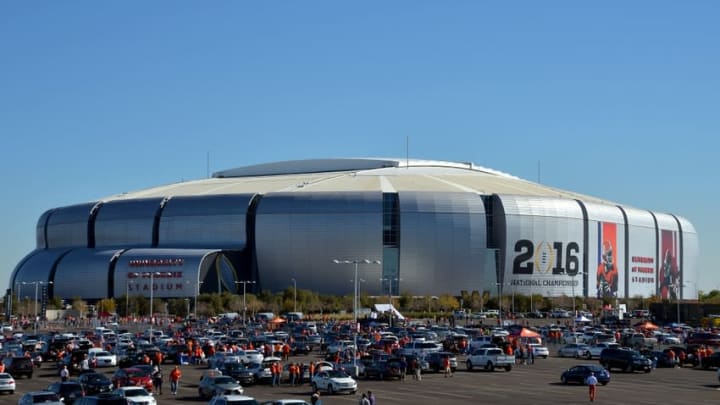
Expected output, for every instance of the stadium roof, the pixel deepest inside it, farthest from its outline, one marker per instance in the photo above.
(357, 174)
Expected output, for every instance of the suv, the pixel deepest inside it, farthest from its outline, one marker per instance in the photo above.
(17, 366)
(435, 361)
(625, 359)
(102, 399)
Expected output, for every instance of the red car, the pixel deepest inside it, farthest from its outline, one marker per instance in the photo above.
(132, 376)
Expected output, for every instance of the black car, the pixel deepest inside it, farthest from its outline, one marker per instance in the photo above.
(95, 383)
(239, 372)
(625, 359)
(437, 359)
(19, 366)
(383, 369)
(69, 391)
(580, 373)
(299, 348)
(173, 353)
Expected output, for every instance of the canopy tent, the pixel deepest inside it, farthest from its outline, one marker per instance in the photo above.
(582, 318)
(389, 308)
(278, 320)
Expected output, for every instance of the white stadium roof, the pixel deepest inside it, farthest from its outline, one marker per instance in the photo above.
(357, 174)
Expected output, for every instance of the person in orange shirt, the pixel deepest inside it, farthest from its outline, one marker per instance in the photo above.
(175, 376)
(2, 367)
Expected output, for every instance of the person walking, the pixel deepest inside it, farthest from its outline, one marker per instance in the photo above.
(446, 366)
(64, 374)
(371, 397)
(157, 378)
(175, 376)
(364, 400)
(315, 398)
(591, 382)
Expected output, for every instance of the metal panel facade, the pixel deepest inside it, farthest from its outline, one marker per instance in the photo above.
(606, 249)
(544, 246)
(204, 221)
(126, 223)
(668, 271)
(83, 273)
(68, 226)
(40, 240)
(176, 272)
(442, 240)
(35, 267)
(642, 251)
(690, 256)
(298, 235)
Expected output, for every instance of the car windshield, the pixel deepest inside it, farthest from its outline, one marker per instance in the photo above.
(136, 373)
(224, 380)
(49, 397)
(337, 374)
(242, 402)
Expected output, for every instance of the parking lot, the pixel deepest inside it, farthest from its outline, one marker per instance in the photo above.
(536, 384)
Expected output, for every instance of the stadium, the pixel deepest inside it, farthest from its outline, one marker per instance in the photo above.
(403, 225)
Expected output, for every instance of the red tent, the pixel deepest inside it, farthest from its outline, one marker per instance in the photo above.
(525, 332)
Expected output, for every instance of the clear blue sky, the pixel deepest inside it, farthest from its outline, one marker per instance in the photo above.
(619, 100)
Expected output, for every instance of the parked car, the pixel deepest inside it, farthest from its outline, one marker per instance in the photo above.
(540, 350)
(233, 400)
(334, 381)
(625, 359)
(383, 369)
(68, 391)
(581, 372)
(593, 351)
(36, 397)
(95, 383)
(211, 386)
(103, 359)
(7, 383)
(436, 360)
(136, 395)
(132, 376)
(101, 399)
(575, 350)
(19, 366)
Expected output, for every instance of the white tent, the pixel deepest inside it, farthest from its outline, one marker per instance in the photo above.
(389, 308)
(582, 318)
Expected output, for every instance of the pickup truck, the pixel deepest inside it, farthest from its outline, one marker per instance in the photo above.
(489, 358)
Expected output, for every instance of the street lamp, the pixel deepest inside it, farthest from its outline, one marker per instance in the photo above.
(197, 292)
(244, 283)
(187, 304)
(355, 300)
(152, 275)
(390, 281)
(573, 291)
(678, 291)
(127, 293)
(35, 314)
(500, 295)
(294, 295)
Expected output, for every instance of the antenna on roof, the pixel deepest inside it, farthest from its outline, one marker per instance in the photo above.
(538, 172)
(407, 151)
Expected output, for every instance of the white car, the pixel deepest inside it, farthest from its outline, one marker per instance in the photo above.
(136, 395)
(7, 383)
(539, 350)
(575, 350)
(232, 400)
(334, 381)
(250, 356)
(593, 351)
(103, 359)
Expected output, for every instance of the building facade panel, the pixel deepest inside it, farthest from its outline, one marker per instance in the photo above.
(127, 223)
(543, 247)
(84, 273)
(171, 273)
(669, 271)
(36, 266)
(68, 226)
(607, 266)
(642, 252)
(298, 236)
(40, 228)
(690, 255)
(216, 221)
(442, 240)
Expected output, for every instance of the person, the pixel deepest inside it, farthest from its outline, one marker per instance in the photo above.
(403, 367)
(157, 378)
(531, 354)
(607, 273)
(315, 398)
(364, 400)
(64, 374)
(446, 366)
(85, 363)
(416, 369)
(591, 382)
(175, 376)
(371, 397)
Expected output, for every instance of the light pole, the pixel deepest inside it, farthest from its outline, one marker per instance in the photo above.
(152, 288)
(197, 292)
(355, 301)
(573, 291)
(500, 295)
(244, 284)
(390, 281)
(127, 293)
(35, 314)
(187, 304)
(294, 295)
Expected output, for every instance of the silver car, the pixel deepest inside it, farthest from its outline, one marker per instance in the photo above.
(575, 350)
